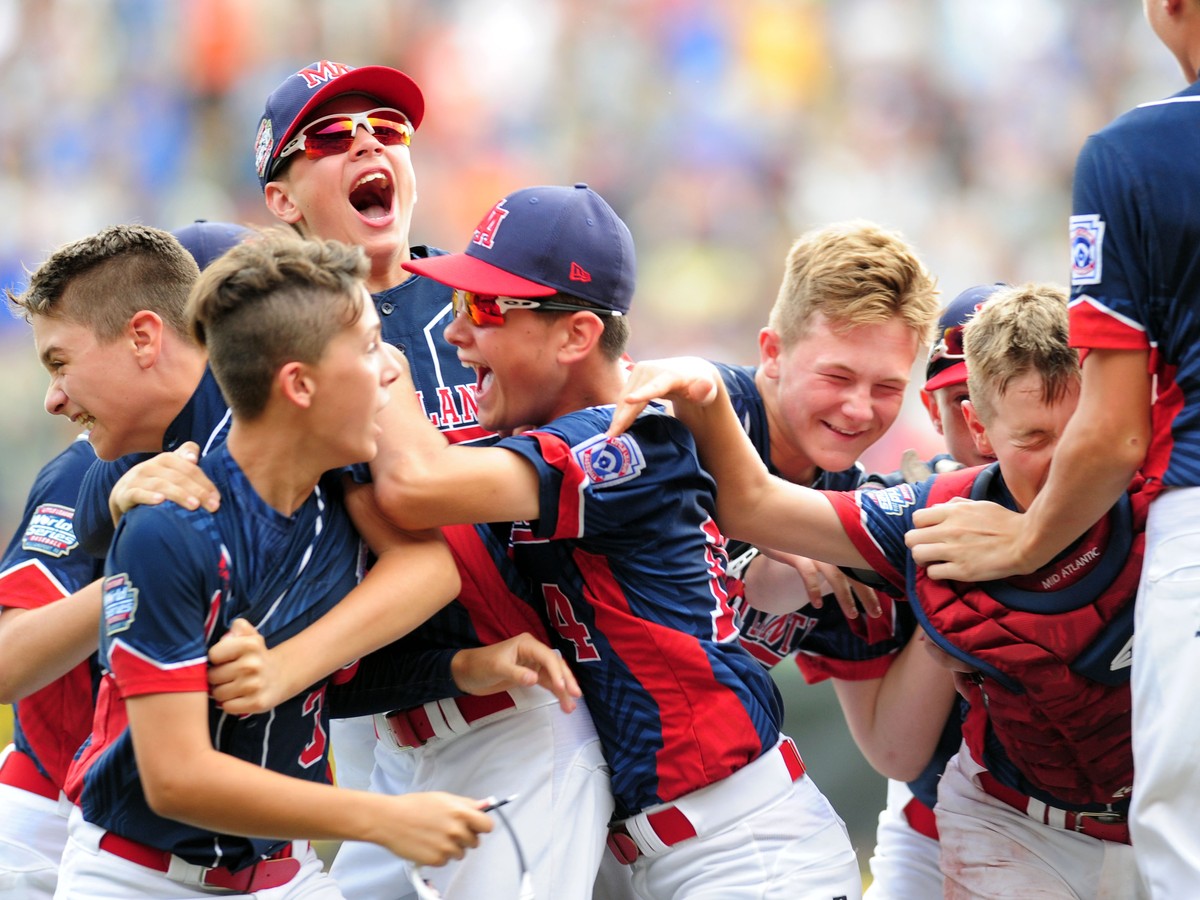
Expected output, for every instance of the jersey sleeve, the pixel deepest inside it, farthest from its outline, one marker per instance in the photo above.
(43, 561)
(1107, 271)
(876, 522)
(161, 592)
(93, 521)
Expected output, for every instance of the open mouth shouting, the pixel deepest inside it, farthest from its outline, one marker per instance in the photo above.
(372, 195)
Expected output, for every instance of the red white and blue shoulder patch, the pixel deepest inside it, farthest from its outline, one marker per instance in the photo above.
(51, 530)
(1087, 243)
(892, 501)
(120, 603)
(609, 461)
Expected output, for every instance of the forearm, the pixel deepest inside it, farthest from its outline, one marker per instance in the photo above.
(896, 721)
(38, 646)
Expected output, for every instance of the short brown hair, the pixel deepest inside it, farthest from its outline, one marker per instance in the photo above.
(854, 273)
(269, 301)
(102, 280)
(1020, 329)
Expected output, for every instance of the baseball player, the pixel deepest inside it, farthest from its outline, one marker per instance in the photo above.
(334, 160)
(175, 798)
(1133, 235)
(629, 568)
(40, 654)
(834, 339)
(1034, 803)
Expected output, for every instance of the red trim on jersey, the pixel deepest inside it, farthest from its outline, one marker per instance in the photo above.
(137, 674)
(706, 731)
(29, 585)
(496, 613)
(108, 723)
(1096, 327)
(466, 434)
(845, 504)
(816, 668)
(570, 495)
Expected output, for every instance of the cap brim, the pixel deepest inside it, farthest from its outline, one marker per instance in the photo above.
(390, 86)
(955, 374)
(466, 273)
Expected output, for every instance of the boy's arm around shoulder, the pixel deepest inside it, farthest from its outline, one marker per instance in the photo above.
(752, 504)
(422, 481)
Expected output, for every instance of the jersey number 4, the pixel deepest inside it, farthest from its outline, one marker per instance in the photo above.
(562, 618)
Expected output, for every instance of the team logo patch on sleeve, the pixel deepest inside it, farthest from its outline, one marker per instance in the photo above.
(892, 501)
(609, 461)
(120, 603)
(1087, 240)
(51, 530)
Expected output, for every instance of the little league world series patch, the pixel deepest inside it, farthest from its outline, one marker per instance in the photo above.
(120, 603)
(1087, 242)
(609, 461)
(51, 530)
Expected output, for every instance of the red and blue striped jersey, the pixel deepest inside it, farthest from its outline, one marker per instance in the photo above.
(630, 569)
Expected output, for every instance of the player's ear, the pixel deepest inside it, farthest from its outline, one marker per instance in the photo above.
(583, 332)
(770, 348)
(145, 334)
(296, 384)
(935, 412)
(978, 433)
(279, 202)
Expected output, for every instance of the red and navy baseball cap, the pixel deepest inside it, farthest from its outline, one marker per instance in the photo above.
(294, 100)
(540, 241)
(208, 240)
(947, 365)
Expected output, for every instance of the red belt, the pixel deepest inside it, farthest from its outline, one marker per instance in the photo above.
(671, 825)
(921, 818)
(1103, 826)
(20, 771)
(412, 727)
(277, 869)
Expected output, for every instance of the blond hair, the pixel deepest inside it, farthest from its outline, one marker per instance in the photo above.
(1021, 329)
(854, 273)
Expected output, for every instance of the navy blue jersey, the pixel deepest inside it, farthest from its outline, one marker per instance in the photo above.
(174, 581)
(1135, 277)
(203, 419)
(630, 567)
(44, 564)
(823, 642)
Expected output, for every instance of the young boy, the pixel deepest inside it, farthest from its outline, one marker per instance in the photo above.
(618, 540)
(49, 610)
(176, 798)
(1036, 798)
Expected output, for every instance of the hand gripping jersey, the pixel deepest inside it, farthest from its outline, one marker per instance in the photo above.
(630, 568)
(1135, 283)
(1049, 708)
(174, 581)
(44, 564)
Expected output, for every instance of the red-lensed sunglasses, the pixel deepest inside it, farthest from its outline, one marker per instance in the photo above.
(488, 309)
(331, 135)
(949, 347)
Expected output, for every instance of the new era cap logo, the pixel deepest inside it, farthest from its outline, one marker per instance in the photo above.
(322, 72)
(485, 232)
(579, 273)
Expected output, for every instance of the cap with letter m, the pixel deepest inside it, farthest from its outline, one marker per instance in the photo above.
(541, 241)
(291, 104)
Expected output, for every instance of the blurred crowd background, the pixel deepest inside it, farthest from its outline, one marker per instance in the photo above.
(719, 129)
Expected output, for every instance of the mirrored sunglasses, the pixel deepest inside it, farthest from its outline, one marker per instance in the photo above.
(949, 347)
(488, 309)
(331, 135)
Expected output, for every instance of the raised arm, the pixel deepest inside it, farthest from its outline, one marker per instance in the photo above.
(752, 505)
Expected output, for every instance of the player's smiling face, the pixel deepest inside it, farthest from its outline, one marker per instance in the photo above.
(1023, 432)
(362, 197)
(353, 376)
(517, 377)
(94, 384)
(832, 394)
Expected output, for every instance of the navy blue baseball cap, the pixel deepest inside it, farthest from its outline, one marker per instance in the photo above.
(541, 241)
(208, 240)
(947, 365)
(294, 100)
